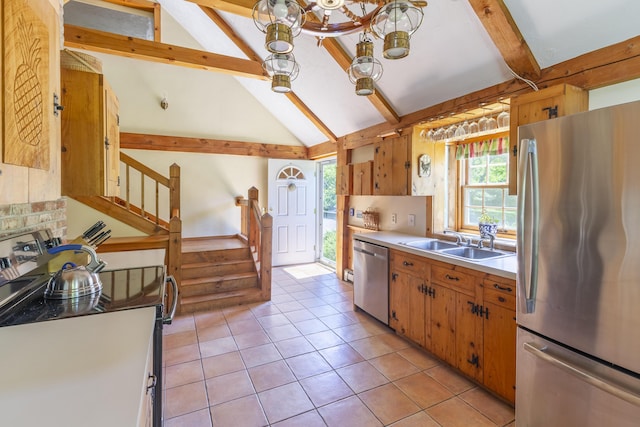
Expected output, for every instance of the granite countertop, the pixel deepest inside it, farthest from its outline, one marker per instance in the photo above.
(503, 267)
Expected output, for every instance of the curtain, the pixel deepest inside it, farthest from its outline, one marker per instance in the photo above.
(482, 148)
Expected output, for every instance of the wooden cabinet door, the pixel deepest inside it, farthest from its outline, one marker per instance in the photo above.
(400, 166)
(112, 142)
(382, 171)
(556, 101)
(363, 178)
(443, 323)
(399, 294)
(416, 323)
(468, 337)
(500, 350)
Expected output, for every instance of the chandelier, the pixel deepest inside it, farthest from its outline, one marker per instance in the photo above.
(394, 21)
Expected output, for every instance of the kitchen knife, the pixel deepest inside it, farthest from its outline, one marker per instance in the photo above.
(97, 237)
(101, 241)
(93, 230)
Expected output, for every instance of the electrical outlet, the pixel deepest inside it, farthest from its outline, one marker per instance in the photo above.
(412, 220)
(394, 218)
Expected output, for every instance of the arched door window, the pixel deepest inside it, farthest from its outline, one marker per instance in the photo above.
(290, 173)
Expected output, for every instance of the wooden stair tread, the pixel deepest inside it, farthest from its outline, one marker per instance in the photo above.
(208, 279)
(220, 296)
(212, 243)
(216, 264)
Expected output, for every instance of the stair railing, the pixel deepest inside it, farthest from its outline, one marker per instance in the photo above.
(161, 189)
(256, 227)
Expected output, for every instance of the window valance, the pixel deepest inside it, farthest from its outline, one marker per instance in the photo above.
(482, 148)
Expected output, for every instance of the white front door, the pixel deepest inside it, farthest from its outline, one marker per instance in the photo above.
(292, 199)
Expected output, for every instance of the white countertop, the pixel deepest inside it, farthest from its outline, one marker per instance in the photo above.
(81, 371)
(504, 267)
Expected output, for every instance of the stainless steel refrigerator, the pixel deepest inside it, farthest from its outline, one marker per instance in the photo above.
(578, 308)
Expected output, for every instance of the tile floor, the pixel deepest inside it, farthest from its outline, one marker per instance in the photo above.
(307, 359)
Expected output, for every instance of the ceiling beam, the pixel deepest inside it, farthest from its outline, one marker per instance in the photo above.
(320, 151)
(138, 141)
(231, 34)
(602, 67)
(504, 32)
(251, 54)
(331, 44)
(131, 47)
(237, 7)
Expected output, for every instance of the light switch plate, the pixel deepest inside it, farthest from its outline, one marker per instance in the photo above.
(412, 220)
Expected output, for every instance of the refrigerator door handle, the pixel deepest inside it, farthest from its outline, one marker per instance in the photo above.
(528, 180)
(567, 366)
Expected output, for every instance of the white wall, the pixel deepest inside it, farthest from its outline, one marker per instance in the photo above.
(614, 94)
(202, 104)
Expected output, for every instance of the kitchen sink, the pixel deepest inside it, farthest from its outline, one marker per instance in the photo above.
(473, 253)
(431, 245)
(451, 249)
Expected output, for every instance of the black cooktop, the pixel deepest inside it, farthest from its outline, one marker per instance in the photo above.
(121, 290)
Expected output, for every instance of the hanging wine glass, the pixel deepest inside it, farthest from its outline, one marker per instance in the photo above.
(492, 123)
(473, 127)
(438, 135)
(503, 118)
(451, 131)
(482, 123)
(462, 130)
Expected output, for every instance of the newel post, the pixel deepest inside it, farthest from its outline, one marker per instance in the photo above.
(174, 190)
(253, 221)
(174, 254)
(265, 256)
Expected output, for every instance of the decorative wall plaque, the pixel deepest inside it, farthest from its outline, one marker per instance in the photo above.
(27, 101)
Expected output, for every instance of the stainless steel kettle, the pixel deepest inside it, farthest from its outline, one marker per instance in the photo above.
(73, 281)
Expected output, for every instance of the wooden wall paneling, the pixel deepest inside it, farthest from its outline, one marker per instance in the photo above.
(342, 208)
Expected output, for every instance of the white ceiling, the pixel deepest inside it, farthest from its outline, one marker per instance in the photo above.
(451, 55)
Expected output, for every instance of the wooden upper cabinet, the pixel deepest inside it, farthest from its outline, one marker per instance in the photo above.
(363, 179)
(407, 166)
(549, 103)
(90, 135)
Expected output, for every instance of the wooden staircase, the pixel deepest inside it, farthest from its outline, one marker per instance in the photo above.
(217, 272)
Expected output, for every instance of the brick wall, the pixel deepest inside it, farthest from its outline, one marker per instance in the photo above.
(27, 217)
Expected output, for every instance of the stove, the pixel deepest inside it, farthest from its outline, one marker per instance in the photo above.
(24, 276)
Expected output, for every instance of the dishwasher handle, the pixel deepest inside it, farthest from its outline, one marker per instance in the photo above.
(365, 252)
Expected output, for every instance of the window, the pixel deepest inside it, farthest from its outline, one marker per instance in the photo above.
(484, 185)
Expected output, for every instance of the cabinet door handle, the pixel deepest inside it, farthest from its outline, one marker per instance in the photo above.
(152, 380)
(502, 288)
(451, 277)
(407, 264)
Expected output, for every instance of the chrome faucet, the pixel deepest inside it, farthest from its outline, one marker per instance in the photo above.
(489, 236)
(460, 239)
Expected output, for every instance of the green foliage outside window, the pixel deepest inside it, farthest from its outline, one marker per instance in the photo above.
(486, 190)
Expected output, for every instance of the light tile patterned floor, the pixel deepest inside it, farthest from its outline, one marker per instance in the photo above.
(307, 359)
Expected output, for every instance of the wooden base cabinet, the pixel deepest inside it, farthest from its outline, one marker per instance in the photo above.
(90, 135)
(465, 317)
(500, 337)
(408, 279)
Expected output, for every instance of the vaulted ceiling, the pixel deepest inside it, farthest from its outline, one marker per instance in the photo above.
(464, 53)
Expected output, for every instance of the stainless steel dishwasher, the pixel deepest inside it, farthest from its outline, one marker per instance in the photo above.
(371, 279)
